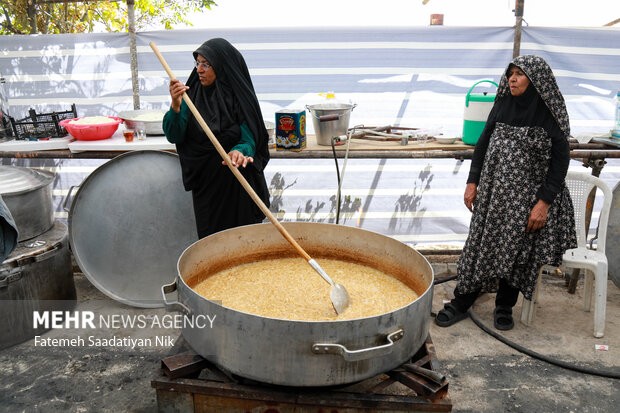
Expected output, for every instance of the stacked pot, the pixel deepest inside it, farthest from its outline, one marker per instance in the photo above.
(37, 275)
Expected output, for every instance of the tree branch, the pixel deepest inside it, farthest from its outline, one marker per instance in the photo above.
(8, 25)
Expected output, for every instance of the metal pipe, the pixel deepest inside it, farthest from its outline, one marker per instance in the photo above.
(586, 156)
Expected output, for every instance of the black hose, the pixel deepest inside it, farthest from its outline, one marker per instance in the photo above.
(443, 280)
(338, 175)
(551, 360)
(526, 351)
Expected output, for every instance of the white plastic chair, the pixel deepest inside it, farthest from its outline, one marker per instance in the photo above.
(594, 262)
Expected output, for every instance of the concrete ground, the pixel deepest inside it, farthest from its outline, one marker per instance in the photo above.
(484, 374)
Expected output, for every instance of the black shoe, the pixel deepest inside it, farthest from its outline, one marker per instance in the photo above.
(449, 315)
(502, 318)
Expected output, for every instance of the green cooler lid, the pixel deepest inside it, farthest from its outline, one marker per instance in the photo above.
(484, 97)
(479, 97)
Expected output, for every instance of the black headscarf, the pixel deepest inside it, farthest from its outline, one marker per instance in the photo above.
(542, 103)
(228, 102)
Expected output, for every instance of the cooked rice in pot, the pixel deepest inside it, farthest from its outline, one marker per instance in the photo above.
(290, 289)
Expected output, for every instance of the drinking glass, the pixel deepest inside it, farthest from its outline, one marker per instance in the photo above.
(141, 134)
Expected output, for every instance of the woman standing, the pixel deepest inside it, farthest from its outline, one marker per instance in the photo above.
(221, 89)
(522, 212)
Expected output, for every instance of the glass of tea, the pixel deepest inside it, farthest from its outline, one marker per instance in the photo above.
(128, 134)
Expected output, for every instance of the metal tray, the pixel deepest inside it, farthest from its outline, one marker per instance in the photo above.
(129, 223)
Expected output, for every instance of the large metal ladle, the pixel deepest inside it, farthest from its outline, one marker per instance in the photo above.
(338, 294)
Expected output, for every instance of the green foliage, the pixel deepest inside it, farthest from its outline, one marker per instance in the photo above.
(58, 16)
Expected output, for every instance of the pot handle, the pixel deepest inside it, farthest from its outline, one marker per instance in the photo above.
(64, 204)
(172, 306)
(327, 118)
(8, 277)
(361, 354)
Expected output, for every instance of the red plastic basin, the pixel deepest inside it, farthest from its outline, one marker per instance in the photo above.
(92, 132)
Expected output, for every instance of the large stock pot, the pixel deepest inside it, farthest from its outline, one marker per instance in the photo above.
(302, 353)
(36, 276)
(28, 195)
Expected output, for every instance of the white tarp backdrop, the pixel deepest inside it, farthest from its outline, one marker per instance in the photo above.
(401, 76)
(414, 77)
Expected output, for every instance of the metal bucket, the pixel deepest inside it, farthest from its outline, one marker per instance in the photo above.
(303, 353)
(330, 120)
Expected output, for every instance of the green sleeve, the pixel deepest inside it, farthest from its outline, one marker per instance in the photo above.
(246, 144)
(174, 124)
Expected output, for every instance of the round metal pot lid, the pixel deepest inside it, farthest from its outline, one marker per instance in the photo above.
(128, 224)
(15, 180)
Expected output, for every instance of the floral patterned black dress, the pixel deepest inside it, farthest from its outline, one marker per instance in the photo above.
(498, 246)
(515, 167)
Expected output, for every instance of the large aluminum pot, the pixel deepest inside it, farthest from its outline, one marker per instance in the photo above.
(301, 353)
(36, 276)
(28, 195)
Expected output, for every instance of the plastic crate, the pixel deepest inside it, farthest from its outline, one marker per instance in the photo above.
(42, 125)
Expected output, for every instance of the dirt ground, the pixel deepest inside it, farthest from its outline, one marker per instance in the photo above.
(485, 375)
(489, 376)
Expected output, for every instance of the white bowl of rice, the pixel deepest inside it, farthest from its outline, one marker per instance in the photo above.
(149, 120)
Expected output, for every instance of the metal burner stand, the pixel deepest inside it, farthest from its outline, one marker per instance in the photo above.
(186, 382)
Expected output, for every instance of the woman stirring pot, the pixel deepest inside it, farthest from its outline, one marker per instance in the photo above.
(221, 88)
(522, 212)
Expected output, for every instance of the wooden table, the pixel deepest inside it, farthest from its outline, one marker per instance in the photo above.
(593, 154)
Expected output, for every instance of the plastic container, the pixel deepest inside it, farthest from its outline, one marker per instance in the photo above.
(42, 125)
(93, 132)
(477, 108)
